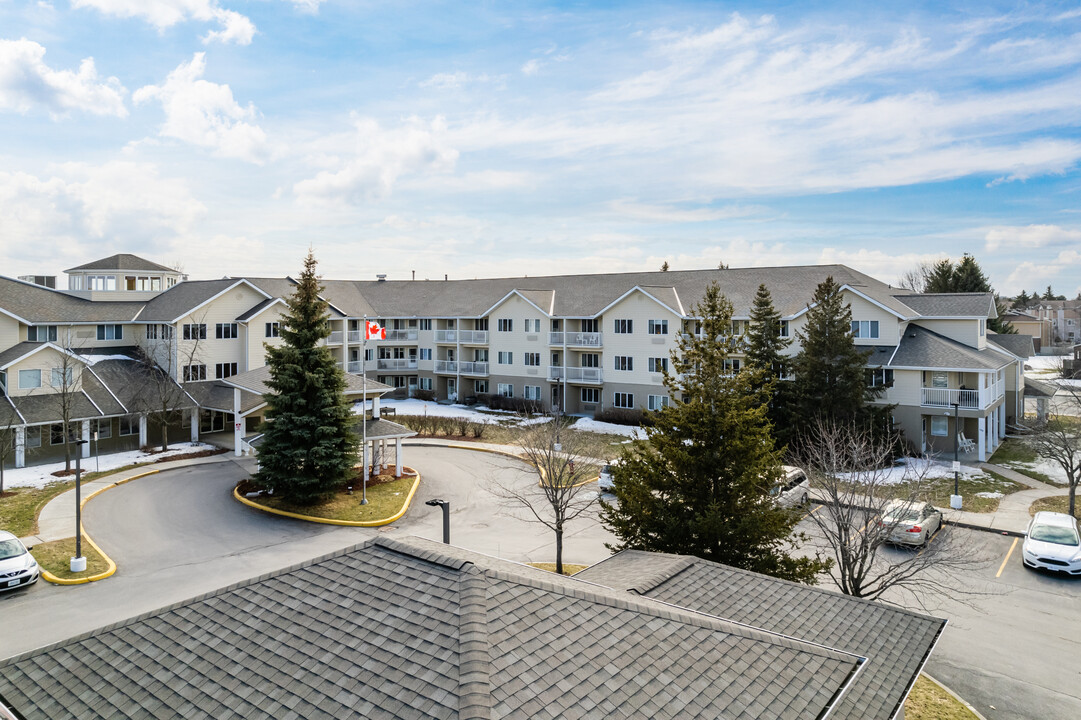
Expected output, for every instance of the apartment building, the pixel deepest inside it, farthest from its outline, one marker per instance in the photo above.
(577, 343)
(1065, 319)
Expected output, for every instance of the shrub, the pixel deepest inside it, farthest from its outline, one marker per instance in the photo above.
(623, 416)
(478, 429)
(519, 405)
(463, 424)
(424, 394)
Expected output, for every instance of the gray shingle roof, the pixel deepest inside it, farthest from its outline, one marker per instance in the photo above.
(1017, 345)
(36, 304)
(923, 348)
(411, 628)
(255, 381)
(18, 351)
(123, 261)
(951, 304)
(895, 641)
(181, 299)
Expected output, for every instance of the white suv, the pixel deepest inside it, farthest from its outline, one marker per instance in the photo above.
(793, 489)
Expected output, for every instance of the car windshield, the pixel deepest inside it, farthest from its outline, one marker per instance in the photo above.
(10, 549)
(903, 514)
(1054, 534)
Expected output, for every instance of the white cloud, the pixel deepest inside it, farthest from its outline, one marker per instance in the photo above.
(884, 266)
(532, 67)
(459, 79)
(366, 163)
(27, 82)
(163, 14)
(1035, 274)
(310, 6)
(1005, 237)
(123, 203)
(671, 214)
(205, 114)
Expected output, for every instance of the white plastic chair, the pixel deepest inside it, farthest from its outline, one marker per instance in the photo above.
(965, 444)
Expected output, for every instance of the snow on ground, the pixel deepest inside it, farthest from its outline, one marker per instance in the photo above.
(1045, 363)
(481, 414)
(591, 425)
(95, 359)
(911, 468)
(990, 495)
(41, 475)
(1050, 468)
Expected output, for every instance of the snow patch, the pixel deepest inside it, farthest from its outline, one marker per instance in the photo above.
(41, 475)
(95, 359)
(990, 495)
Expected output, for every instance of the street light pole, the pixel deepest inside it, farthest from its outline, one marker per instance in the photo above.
(955, 499)
(78, 563)
(445, 504)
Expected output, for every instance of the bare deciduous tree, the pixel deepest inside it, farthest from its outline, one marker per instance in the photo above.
(67, 390)
(849, 468)
(9, 420)
(561, 493)
(162, 392)
(915, 279)
(1058, 437)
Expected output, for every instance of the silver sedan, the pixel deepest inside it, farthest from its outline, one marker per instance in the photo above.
(910, 522)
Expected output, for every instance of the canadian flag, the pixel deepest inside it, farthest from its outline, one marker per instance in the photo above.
(375, 332)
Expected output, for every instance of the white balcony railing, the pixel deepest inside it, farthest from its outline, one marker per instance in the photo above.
(965, 399)
(473, 368)
(575, 339)
(355, 336)
(446, 367)
(446, 336)
(335, 338)
(576, 374)
(402, 335)
(396, 364)
(473, 337)
(355, 366)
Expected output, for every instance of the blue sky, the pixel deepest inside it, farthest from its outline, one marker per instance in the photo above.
(489, 139)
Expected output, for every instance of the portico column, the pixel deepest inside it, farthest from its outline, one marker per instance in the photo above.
(398, 457)
(20, 446)
(1002, 422)
(142, 431)
(195, 424)
(238, 424)
(86, 437)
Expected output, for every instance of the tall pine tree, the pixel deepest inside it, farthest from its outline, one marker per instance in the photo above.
(699, 483)
(764, 357)
(831, 379)
(964, 277)
(309, 447)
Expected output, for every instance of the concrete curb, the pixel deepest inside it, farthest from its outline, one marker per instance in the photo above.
(49, 577)
(956, 697)
(493, 451)
(329, 521)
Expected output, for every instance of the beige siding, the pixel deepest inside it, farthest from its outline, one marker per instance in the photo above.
(639, 345)
(211, 351)
(12, 332)
(45, 361)
(517, 341)
(963, 331)
(888, 323)
(253, 335)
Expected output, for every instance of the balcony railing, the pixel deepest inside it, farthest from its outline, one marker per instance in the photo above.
(355, 366)
(964, 399)
(446, 367)
(575, 339)
(473, 368)
(355, 336)
(400, 335)
(592, 376)
(335, 338)
(396, 364)
(446, 336)
(473, 337)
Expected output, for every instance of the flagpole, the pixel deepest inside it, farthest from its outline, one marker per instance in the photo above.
(364, 412)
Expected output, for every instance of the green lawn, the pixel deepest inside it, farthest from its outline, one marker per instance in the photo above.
(937, 491)
(56, 558)
(385, 500)
(1019, 456)
(928, 701)
(1058, 503)
(19, 507)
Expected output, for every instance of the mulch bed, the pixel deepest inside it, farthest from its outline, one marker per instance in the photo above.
(247, 486)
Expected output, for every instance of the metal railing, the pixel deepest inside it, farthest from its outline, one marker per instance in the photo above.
(396, 364)
(355, 336)
(446, 336)
(965, 399)
(473, 337)
(575, 339)
(576, 374)
(401, 335)
(446, 367)
(355, 366)
(473, 368)
(334, 339)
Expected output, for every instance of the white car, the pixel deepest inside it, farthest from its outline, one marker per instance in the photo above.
(794, 489)
(1053, 542)
(18, 567)
(910, 522)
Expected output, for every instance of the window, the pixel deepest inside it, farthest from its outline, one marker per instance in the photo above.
(624, 327)
(624, 362)
(983, 326)
(480, 386)
(591, 326)
(731, 365)
(369, 355)
(532, 325)
(170, 281)
(533, 359)
(532, 392)
(75, 282)
(224, 370)
(195, 331)
(505, 389)
(132, 282)
(591, 395)
(33, 437)
(658, 327)
(101, 282)
(623, 400)
(56, 433)
(129, 425)
(425, 353)
(110, 332)
(504, 324)
(880, 377)
(166, 332)
(273, 329)
(940, 379)
(784, 328)
(151, 332)
(865, 328)
(212, 420)
(194, 372)
(591, 360)
(656, 402)
(505, 358)
(29, 379)
(226, 331)
(940, 426)
(44, 333)
(424, 383)
(63, 377)
(104, 429)
(425, 324)
(657, 365)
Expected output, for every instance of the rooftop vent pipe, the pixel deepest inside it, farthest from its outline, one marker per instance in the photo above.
(381, 277)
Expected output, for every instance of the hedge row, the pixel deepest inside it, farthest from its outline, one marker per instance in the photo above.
(433, 425)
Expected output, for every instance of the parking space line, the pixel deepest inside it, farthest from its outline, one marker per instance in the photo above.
(1007, 558)
(817, 508)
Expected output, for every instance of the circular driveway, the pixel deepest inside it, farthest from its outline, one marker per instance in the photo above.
(180, 533)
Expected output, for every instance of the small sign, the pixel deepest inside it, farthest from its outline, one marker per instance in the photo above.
(238, 427)
(956, 466)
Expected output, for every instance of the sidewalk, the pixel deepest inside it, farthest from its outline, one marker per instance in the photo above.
(1012, 515)
(57, 519)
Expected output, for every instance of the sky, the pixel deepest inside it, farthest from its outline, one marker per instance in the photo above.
(487, 139)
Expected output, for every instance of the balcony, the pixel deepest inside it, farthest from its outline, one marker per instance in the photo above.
(447, 337)
(587, 376)
(575, 339)
(473, 337)
(402, 335)
(964, 399)
(446, 367)
(334, 339)
(355, 366)
(355, 336)
(473, 368)
(396, 364)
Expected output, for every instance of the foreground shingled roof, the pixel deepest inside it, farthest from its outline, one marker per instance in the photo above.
(411, 629)
(896, 642)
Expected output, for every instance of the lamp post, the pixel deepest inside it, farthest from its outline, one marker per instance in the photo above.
(445, 504)
(955, 499)
(78, 563)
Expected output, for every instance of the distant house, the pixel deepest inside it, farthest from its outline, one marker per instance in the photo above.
(414, 629)
(1029, 323)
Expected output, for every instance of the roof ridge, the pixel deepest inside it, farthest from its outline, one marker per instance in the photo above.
(437, 558)
(649, 582)
(474, 660)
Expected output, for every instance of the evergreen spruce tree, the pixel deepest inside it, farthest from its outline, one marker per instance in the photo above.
(699, 483)
(765, 360)
(831, 377)
(941, 278)
(1049, 294)
(1021, 301)
(968, 277)
(309, 447)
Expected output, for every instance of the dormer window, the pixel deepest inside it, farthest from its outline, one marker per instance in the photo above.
(865, 329)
